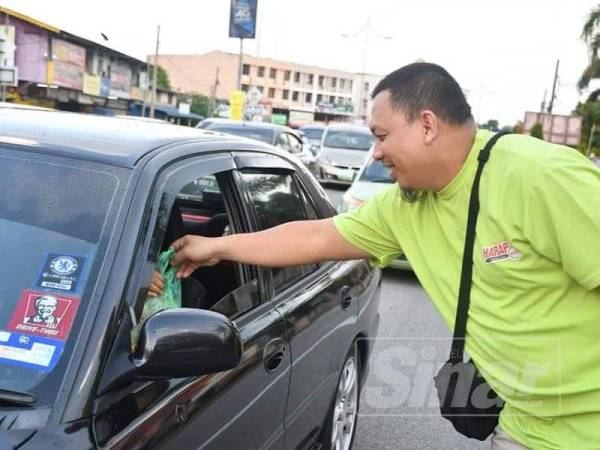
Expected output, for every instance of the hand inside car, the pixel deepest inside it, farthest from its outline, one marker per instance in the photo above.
(193, 252)
(158, 284)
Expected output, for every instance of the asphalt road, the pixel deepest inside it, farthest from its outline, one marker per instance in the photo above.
(399, 408)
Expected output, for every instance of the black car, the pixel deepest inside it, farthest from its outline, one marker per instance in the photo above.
(255, 357)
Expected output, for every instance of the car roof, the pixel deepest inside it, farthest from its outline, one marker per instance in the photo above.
(349, 127)
(258, 125)
(116, 141)
(313, 127)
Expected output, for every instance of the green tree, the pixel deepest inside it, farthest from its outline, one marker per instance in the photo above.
(537, 131)
(162, 77)
(591, 36)
(200, 104)
(590, 111)
(492, 125)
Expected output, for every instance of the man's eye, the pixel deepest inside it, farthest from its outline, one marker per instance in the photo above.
(381, 137)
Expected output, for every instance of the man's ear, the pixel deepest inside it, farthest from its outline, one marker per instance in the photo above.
(429, 125)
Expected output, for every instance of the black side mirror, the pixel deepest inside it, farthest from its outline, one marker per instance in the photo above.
(186, 342)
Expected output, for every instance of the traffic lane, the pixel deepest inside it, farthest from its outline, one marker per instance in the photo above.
(399, 408)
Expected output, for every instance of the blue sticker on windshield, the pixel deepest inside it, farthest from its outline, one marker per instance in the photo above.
(61, 272)
(33, 352)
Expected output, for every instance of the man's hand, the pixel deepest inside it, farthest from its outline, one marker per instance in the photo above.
(158, 284)
(290, 244)
(193, 252)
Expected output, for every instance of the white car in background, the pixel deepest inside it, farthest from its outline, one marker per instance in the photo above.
(372, 178)
(342, 152)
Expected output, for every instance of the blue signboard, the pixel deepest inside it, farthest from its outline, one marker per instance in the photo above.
(105, 87)
(242, 19)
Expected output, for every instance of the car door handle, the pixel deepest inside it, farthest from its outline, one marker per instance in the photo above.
(273, 354)
(345, 295)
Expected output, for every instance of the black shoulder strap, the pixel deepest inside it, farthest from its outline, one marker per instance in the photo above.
(464, 292)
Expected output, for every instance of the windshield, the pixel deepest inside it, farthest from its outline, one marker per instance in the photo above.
(52, 216)
(348, 139)
(314, 134)
(257, 134)
(376, 172)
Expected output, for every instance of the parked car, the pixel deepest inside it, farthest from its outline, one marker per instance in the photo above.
(372, 178)
(278, 135)
(210, 120)
(314, 134)
(343, 150)
(255, 357)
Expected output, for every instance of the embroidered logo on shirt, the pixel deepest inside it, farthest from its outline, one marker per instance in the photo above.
(500, 252)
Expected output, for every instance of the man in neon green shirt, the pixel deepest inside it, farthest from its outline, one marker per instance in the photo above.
(534, 317)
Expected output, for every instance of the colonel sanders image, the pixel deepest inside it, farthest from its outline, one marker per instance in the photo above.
(45, 306)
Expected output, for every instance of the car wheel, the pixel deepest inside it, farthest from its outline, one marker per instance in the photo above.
(340, 423)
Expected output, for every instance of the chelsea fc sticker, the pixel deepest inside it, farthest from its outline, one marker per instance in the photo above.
(61, 272)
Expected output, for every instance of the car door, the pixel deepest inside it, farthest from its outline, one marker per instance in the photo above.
(319, 302)
(240, 408)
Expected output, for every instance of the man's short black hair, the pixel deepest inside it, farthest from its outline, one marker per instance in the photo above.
(420, 86)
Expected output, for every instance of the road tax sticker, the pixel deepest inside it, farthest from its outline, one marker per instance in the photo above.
(61, 272)
(30, 351)
(44, 314)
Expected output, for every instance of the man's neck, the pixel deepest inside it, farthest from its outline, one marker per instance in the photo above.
(455, 148)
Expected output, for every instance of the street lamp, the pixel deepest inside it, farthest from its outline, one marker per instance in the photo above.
(368, 31)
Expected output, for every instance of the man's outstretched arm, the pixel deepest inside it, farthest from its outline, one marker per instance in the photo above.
(290, 244)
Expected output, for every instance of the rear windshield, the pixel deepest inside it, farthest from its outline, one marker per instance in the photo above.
(313, 133)
(351, 140)
(52, 218)
(376, 172)
(257, 134)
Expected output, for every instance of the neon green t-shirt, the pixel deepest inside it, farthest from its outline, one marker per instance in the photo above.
(534, 317)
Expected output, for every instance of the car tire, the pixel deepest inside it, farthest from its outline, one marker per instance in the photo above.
(340, 424)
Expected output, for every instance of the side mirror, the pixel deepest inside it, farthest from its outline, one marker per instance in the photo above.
(186, 342)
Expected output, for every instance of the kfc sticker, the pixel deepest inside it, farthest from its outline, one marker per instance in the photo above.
(44, 314)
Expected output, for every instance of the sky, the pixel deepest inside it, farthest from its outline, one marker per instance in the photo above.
(503, 53)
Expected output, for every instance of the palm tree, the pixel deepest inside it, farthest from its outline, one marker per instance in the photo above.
(591, 36)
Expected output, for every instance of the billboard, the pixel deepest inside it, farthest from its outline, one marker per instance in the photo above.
(558, 129)
(7, 46)
(236, 105)
(242, 19)
(120, 81)
(67, 66)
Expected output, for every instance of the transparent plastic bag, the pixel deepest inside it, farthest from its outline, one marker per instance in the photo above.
(170, 298)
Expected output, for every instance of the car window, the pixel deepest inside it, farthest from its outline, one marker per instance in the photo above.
(277, 199)
(53, 220)
(376, 172)
(258, 134)
(295, 145)
(313, 133)
(352, 140)
(202, 208)
(283, 142)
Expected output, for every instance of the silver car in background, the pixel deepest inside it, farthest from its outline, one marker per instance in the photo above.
(342, 152)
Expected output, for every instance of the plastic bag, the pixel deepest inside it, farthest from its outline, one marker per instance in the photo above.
(170, 298)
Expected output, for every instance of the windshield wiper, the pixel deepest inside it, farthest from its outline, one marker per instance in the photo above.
(16, 397)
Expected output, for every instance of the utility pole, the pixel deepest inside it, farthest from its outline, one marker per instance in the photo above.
(551, 105)
(241, 62)
(154, 74)
(213, 93)
(144, 104)
(368, 31)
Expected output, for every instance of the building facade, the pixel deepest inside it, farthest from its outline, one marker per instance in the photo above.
(301, 93)
(59, 70)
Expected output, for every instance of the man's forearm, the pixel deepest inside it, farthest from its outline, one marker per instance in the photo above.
(289, 244)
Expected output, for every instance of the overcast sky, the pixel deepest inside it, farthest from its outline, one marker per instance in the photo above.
(502, 52)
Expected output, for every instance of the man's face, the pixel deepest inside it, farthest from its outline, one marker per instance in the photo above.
(45, 307)
(398, 144)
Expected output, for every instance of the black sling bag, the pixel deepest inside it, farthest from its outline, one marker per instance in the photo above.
(465, 398)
